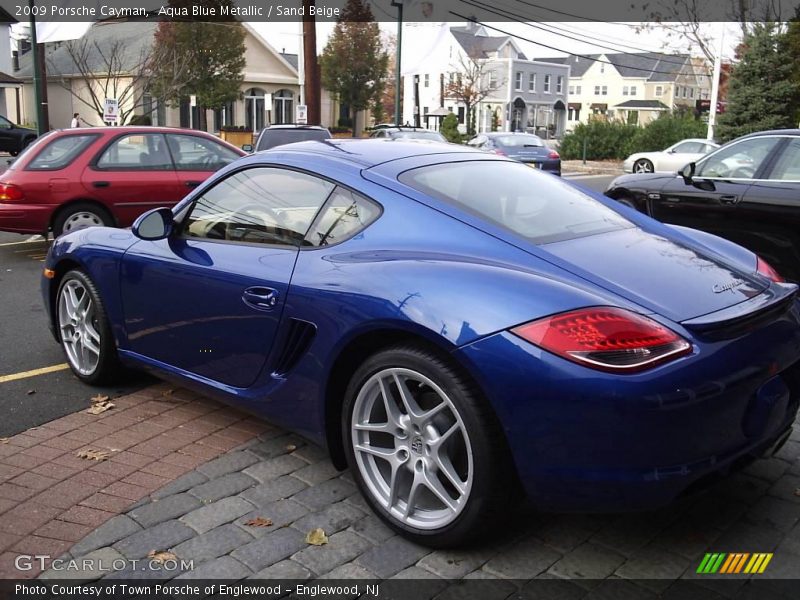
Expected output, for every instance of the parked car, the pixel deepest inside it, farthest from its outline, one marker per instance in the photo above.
(746, 191)
(453, 325)
(670, 160)
(14, 138)
(408, 133)
(278, 135)
(75, 178)
(524, 147)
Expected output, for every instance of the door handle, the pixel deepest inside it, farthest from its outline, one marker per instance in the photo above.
(262, 298)
(101, 184)
(191, 184)
(729, 199)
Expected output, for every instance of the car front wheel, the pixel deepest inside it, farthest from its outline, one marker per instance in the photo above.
(426, 449)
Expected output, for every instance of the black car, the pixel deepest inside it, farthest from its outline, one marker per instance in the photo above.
(524, 147)
(747, 191)
(407, 133)
(278, 135)
(13, 138)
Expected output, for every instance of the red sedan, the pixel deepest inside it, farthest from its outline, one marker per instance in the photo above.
(74, 178)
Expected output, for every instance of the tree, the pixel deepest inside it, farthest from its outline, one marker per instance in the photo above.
(762, 93)
(384, 105)
(793, 51)
(470, 86)
(354, 63)
(204, 59)
(449, 129)
(108, 71)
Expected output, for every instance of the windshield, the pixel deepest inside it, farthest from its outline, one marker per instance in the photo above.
(518, 140)
(537, 206)
(278, 137)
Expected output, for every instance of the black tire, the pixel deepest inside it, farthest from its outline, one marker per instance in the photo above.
(108, 367)
(643, 166)
(86, 212)
(494, 488)
(627, 202)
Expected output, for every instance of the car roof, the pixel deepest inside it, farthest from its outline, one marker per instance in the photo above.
(773, 132)
(369, 152)
(505, 133)
(285, 126)
(134, 129)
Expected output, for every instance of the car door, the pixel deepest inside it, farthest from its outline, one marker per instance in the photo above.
(196, 158)
(9, 142)
(768, 217)
(709, 201)
(208, 300)
(131, 175)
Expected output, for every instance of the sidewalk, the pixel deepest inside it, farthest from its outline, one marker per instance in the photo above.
(592, 167)
(223, 496)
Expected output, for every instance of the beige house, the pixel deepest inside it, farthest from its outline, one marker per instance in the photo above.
(636, 88)
(269, 94)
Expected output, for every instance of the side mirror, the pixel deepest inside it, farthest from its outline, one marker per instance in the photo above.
(247, 147)
(687, 172)
(155, 224)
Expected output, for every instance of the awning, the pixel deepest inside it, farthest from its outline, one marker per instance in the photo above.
(575, 105)
(599, 107)
(642, 105)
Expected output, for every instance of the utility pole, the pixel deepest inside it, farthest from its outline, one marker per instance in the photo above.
(712, 109)
(39, 77)
(398, 118)
(311, 66)
(416, 102)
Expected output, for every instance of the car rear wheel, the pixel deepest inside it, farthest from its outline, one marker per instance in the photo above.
(643, 166)
(426, 449)
(84, 330)
(80, 216)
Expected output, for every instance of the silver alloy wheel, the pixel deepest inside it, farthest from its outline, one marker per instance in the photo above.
(81, 220)
(643, 166)
(79, 327)
(412, 448)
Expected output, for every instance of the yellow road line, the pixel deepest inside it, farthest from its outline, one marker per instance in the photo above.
(34, 373)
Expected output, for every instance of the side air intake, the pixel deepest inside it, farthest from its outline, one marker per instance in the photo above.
(297, 340)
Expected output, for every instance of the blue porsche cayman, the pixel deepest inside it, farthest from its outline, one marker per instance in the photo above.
(455, 327)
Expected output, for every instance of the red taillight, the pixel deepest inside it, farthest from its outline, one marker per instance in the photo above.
(9, 192)
(765, 269)
(500, 152)
(553, 154)
(606, 338)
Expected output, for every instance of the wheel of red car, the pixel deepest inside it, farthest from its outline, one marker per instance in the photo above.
(425, 448)
(79, 216)
(84, 330)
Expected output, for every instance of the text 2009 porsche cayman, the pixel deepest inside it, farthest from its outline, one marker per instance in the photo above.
(454, 326)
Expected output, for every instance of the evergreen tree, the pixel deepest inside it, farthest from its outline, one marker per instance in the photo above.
(354, 63)
(762, 93)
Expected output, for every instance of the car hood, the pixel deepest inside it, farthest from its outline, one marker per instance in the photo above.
(645, 181)
(671, 279)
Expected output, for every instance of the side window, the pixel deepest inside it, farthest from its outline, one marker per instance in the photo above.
(689, 148)
(5, 123)
(738, 161)
(60, 152)
(344, 215)
(138, 151)
(194, 153)
(788, 166)
(262, 205)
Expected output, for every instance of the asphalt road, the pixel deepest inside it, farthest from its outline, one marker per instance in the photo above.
(26, 343)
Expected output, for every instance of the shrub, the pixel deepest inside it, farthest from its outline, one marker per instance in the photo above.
(668, 129)
(449, 129)
(604, 139)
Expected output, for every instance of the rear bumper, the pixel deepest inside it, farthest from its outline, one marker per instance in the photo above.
(550, 166)
(25, 218)
(589, 441)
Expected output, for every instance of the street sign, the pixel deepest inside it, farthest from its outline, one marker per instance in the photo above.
(111, 110)
(192, 100)
(301, 114)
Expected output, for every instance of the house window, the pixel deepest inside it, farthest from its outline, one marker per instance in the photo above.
(624, 90)
(685, 92)
(559, 84)
(427, 80)
(452, 78)
(449, 109)
(633, 90)
(597, 90)
(460, 115)
(604, 90)
(547, 84)
(571, 89)
(659, 90)
(691, 92)
(532, 82)
(574, 114)
(578, 89)
(424, 110)
(492, 80)
(602, 67)
(518, 81)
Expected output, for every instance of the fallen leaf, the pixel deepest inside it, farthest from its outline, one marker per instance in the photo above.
(161, 556)
(259, 522)
(99, 455)
(316, 537)
(169, 392)
(3, 440)
(291, 448)
(100, 407)
(30, 392)
(99, 398)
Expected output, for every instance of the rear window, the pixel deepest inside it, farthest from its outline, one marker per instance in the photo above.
(60, 152)
(519, 140)
(278, 137)
(418, 135)
(536, 206)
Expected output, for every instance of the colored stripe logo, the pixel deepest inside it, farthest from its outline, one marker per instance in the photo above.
(735, 562)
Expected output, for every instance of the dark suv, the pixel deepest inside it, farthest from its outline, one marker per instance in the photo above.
(13, 138)
(278, 135)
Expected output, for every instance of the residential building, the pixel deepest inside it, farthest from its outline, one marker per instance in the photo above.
(636, 88)
(522, 94)
(269, 93)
